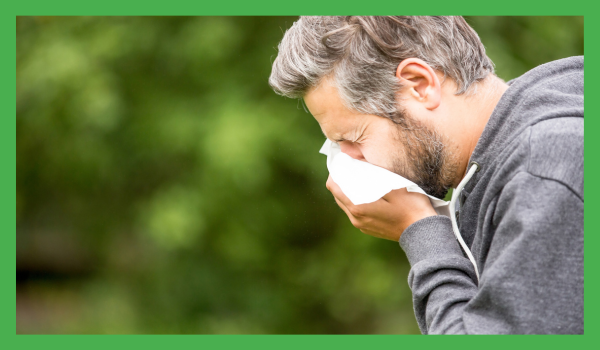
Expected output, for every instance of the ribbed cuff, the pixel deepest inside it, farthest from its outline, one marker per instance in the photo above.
(427, 238)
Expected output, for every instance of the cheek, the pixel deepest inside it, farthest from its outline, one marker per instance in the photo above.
(382, 147)
(379, 153)
(388, 154)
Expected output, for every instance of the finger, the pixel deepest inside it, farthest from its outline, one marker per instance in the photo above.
(355, 222)
(356, 211)
(353, 219)
(343, 207)
(379, 206)
(337, 192)
(402, 195)
(394, 194)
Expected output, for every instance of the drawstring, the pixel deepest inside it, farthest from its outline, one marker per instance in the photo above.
(455, 195)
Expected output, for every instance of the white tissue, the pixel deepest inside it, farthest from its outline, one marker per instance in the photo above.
(363, 182)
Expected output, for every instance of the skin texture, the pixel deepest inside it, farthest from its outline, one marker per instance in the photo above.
(426, 100)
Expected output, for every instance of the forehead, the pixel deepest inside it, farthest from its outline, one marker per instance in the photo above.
(326, 106)
(324, 97)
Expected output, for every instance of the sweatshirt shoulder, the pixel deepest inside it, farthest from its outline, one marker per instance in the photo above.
(563, 74)
(552, 90)
(556, 151)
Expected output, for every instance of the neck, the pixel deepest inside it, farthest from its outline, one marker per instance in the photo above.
(476, 112)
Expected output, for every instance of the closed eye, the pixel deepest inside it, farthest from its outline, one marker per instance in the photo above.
(356, 140)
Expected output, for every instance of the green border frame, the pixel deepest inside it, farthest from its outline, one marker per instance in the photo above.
(271, 7)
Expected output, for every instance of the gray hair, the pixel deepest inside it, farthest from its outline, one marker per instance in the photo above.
(361, 54)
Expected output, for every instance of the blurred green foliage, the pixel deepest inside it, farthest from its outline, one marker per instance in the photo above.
(162, 187)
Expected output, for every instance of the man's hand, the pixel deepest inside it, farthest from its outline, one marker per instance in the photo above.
(387, 217)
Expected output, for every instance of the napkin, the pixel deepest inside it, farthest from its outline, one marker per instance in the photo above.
(363, 182)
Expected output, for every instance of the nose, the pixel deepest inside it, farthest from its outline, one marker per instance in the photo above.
(351, 149)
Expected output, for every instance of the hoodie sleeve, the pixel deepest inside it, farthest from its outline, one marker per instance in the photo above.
(531, 277)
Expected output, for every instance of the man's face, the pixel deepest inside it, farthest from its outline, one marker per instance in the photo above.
(408, 148)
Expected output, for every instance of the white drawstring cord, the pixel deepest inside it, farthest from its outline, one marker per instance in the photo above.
(455, 195)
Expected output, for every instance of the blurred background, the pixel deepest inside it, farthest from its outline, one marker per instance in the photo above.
(162, 187)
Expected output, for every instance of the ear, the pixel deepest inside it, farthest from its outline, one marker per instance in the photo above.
(420, 82)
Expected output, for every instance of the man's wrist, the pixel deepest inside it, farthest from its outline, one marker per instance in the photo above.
(420, 216)
(428, 238)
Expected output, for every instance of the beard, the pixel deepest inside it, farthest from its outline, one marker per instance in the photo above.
(428, 161)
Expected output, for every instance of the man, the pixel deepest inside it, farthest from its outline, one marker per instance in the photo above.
(419, 97)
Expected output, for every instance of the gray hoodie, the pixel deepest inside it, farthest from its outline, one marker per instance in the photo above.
(521, 215)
